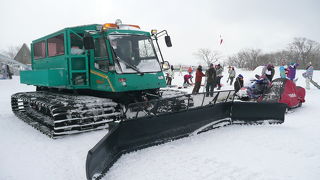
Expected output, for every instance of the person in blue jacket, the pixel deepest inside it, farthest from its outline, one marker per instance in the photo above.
(283, 70)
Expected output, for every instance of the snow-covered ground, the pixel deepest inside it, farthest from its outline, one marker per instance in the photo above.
(276, 152)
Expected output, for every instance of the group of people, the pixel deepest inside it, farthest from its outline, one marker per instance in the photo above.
(289, 72)
(214, 75)
(213, 79)
(5, 71)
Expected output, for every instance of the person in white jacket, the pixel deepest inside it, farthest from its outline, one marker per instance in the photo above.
(308, 75)
(4, 71)
(219, 70)
(170, 75)
(232, 75)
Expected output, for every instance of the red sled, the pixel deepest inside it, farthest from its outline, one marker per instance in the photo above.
(284, 91)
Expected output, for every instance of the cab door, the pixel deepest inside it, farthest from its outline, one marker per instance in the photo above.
(101, 58)
(100, 75)
(78, 62)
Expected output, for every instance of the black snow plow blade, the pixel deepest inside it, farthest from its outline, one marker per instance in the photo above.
(141, 132)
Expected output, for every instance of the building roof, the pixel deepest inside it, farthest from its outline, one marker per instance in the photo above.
(24, 55)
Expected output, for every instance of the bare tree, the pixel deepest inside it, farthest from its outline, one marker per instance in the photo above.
(207, 56)
(302, 50)
(253, 58)
(11, 51)
(249, 59)
(280, 57)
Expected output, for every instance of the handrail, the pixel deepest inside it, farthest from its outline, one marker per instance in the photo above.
(175, 104)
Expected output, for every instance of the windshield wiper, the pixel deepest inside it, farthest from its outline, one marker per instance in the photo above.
(126, 63)
(130, 65)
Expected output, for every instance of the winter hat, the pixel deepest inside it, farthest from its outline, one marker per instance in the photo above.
(240, 76)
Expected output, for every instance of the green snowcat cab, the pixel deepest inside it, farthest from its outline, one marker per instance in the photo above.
(107, 59)
(86, 75)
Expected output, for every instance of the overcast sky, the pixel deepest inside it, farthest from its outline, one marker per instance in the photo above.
(268, 25)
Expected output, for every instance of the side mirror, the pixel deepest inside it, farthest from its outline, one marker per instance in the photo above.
(168, 41)
(165, 65)
(88, 43)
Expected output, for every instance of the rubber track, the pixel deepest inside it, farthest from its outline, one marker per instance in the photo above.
(57, 114)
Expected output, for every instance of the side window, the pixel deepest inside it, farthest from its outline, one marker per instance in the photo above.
(39, 50)
(56, 45)
(100, 49)
(101, 56)
(76, 44)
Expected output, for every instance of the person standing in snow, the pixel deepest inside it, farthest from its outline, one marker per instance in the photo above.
(292, 71)
(190, 70)
(229, 69)
(232, 74)
(265, 70)
(198, 80)
(238, 83)
(180, 71)
(9, 72)
(308, 75)
(211, 80)
(268, 71)
(219, 70)
(4, 71)
(170, 75)
(1, 71)
(271, 69)
(283, 70)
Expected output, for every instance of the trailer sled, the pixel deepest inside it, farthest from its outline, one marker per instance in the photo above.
(284, 91)
(154, 124)
(280, 90)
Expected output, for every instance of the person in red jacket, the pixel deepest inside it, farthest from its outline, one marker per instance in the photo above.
(190, 70)
(187, 80)
(199, 75)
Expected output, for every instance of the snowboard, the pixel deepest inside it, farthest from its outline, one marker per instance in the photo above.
(315, 84)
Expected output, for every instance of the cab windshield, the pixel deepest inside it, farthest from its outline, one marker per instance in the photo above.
(134, 53)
